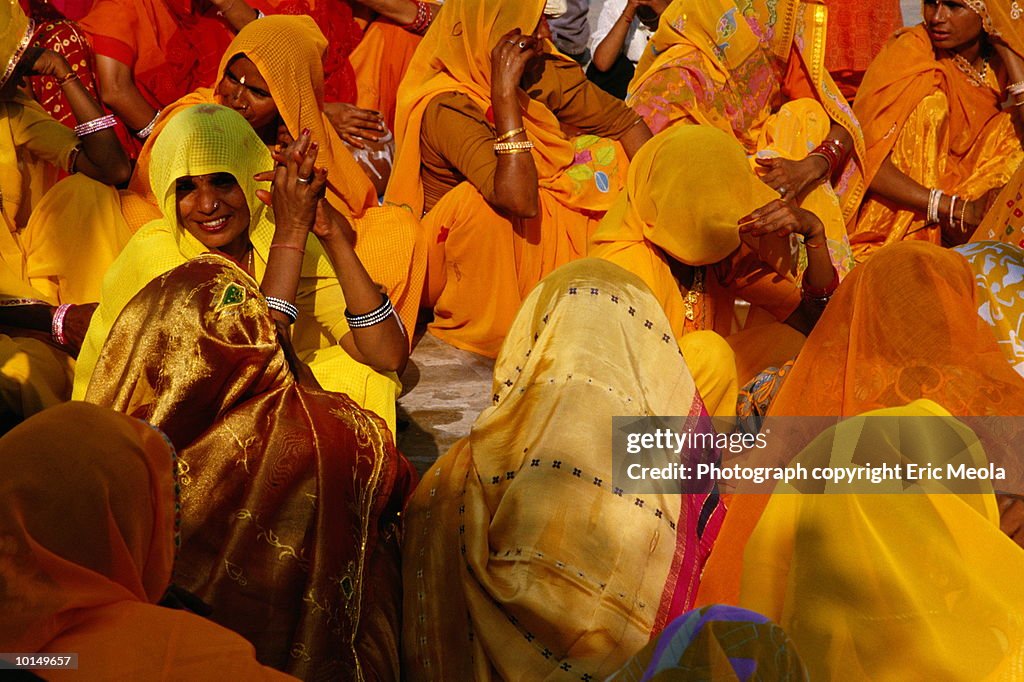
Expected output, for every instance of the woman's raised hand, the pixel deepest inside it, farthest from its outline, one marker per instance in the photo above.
(297, 185)
(782, 218)
(355, 125)
(509, 59)
(790, 178)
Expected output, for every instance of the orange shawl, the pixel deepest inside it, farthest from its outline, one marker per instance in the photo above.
(902, 327)
(89, 527)
(287, 50)
(455, 56)
(289, 496)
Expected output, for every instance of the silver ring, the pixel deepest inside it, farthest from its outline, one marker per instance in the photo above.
(511, 42)
(522, 45)
(305, 181)
(782, 191)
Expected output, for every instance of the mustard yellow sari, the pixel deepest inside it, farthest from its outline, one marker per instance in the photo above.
(755, 70)
(208, 138)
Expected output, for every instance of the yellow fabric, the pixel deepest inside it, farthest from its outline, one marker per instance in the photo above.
(515, 563)
(659, 219)
(34, 375)
(920, 585)
(287, 52)
(15, 33)
(741, 77)
(209, 139)
(481, 264)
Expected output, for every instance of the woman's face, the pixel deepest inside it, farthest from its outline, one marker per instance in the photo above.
(951, 24)
(243, 89)
(212, 208)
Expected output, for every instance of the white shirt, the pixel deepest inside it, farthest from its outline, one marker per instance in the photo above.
(636, 37)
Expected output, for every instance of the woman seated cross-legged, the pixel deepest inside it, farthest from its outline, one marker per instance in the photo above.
(490, 149)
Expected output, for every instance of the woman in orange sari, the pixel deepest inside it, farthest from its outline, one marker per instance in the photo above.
(507, 194)
(289, 495)
(904, 326)
(756, 70)
(84, 574)
(939, 144)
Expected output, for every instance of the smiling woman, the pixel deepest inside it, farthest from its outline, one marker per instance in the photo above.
(209, 174)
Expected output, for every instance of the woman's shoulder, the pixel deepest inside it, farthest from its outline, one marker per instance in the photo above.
(910, 39)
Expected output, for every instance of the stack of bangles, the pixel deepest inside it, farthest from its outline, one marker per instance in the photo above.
(504, 148)
(1015, 90)
(284, 307)
(57, 324)
(95, 125)
(819, 297)
(833, 152)
(374, 317)
(933, 216)
(421, 23)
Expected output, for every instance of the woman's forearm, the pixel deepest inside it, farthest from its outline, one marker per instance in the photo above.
(102, 157)
(238, 13)
(609, 49)
(402, 12)
(383, 346)
(118, 92)
(516, 186)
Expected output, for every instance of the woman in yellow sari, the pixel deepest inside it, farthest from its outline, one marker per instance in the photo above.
(690, 224)
(756, 70)
(939, 143)
(290, 495)
(483, 151)
(203, 170)
(523, 557)
(919, 583)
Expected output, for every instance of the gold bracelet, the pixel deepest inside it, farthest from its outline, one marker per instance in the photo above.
(67, 78)
(525, 146)
(512, 151)
(510, 134)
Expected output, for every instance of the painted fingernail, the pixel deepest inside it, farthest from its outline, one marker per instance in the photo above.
(314, 145)
(305, 131)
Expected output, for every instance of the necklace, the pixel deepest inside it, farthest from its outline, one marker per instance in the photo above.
(976, 78)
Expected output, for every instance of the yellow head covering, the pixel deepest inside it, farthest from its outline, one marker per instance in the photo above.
(455, 56)
(16, 31)
(288, 52)
(686, 191)
(201, 140)
(892, 586)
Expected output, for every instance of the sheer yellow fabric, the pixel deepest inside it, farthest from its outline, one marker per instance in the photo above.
(919, 585)
(206, 139)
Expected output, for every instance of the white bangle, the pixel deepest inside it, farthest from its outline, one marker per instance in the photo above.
(934, 197)
(284, 307)
(95, 125)
(148, 130)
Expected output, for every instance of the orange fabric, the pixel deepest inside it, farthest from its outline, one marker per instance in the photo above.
(380, 62)
(287, 51)
(84, 575)
(289, 496)
(902, 327)
(170, 47)
(856, 33)
(477, 290)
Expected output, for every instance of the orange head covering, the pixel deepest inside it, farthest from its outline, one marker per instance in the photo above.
(88, 519)
(455, 56)
(904, 326)
(288, 52)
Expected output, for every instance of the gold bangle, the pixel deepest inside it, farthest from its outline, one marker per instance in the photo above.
(512, 151)
(510, 134)
(67, 78)
(500, 147)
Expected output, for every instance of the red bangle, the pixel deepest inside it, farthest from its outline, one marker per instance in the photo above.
(809, 292)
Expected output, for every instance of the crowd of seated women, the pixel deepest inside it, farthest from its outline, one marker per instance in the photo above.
(227, 219)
